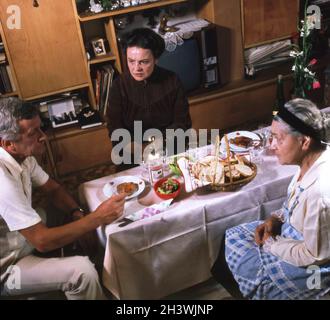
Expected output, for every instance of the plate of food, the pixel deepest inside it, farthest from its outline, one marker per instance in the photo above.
(167, 188)
(131, 185)
(240, 141)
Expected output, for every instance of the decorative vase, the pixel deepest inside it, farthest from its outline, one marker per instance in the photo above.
(298, 93)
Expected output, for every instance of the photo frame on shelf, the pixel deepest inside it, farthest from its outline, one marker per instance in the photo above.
(98, 47)
(62, 112)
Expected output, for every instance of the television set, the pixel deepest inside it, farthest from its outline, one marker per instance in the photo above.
(195, 61)
(185, 62)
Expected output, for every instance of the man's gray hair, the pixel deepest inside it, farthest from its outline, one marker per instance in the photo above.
(309, 113)
(12, 110)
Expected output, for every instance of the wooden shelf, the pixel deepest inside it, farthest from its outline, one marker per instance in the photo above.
(107, 57)
(81, 86)
(70, 130)
(10, 94)
(263, 78)
(88, 16)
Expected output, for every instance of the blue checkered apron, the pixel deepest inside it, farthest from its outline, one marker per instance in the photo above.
(261, 275)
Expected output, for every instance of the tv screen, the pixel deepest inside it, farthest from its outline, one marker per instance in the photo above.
(185, 62)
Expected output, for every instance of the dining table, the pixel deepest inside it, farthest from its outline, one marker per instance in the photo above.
(175, 249)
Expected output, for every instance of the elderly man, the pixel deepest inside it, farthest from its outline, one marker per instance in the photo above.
(22, 229)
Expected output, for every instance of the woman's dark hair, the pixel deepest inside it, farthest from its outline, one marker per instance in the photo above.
(146, 39)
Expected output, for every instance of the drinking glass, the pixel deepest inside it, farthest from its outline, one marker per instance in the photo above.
(255, 152)
(265, 135)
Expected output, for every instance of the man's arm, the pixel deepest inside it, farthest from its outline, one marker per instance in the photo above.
(46, 239)
(58, 196)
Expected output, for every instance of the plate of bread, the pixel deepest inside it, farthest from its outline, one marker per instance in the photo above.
(132, 186)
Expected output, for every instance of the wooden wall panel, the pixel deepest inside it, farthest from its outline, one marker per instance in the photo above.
(266, 20)
(82, 150)
(235, 110)
(227, 16)
(46, 51)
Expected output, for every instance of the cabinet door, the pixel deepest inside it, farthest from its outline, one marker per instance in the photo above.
(46, 52)
(81, 150)
(267, 20)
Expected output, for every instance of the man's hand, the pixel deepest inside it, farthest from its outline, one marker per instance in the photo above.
(270, 228)
(111, 209)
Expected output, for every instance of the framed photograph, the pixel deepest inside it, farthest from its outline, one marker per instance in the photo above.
(62, 112)
(98, 47)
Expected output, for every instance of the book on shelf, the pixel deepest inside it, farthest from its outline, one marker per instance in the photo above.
(111, 73)
(3, 58)
(267, 56)
(11, 79)
(6, 85)
(88, 118)
(102, 84)
(97, 88)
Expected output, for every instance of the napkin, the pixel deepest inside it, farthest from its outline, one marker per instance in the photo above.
(191, 183)
(146, 212)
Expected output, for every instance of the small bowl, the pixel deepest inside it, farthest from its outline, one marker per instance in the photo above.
(170, 195)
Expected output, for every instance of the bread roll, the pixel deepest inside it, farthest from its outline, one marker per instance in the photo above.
(244, 170)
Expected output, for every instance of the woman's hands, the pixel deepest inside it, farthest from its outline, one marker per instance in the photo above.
(270, 228)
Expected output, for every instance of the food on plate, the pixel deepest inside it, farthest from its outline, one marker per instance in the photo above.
(168, 186)
(241, 141)
(127, 187)
(208, 170)
(244, 170)
(175, 169)
(235, 174)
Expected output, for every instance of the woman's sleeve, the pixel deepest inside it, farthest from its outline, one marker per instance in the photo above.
(315, 248)
(181, 108)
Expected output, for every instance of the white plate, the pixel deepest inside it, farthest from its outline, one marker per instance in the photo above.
(234, 134)
(110, 188)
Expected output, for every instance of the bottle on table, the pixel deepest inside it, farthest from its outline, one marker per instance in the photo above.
(280, 98)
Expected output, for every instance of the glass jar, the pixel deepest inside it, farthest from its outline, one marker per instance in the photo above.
(155, 168)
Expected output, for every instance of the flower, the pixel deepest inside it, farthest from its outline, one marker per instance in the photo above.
(304, 78)
(316, 85)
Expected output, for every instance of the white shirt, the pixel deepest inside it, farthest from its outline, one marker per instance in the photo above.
(311, 217)
(16, 212)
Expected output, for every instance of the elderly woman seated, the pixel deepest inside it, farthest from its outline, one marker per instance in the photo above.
(287, 256)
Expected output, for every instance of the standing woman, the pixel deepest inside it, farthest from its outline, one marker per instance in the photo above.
(146, 92)
(287, 256)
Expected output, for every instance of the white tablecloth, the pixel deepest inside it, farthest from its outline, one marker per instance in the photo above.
(171, 251)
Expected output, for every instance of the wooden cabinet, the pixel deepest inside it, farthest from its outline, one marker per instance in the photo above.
(75, 149)
(268, 20)
(46, 52)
